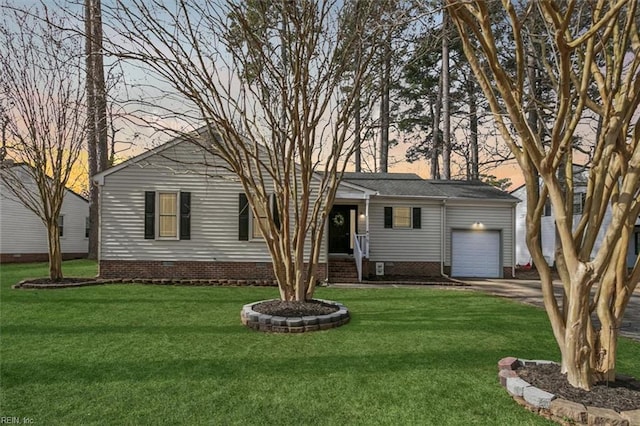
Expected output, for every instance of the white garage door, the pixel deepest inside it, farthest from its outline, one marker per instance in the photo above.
(475, 254)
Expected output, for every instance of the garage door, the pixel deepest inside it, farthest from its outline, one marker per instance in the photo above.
(475, 254)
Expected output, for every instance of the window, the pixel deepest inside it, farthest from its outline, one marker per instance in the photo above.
(578, 202)
(61, 225)
(87, 226)
(171, 216)
(248, 223)
(402, 217)
(255, 226)
(167, 215)
(547, 208)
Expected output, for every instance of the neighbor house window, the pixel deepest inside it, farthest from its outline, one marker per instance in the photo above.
(61, 225)
(402, 217)
(87, 227)
(578, 202)
(168, 215)
(547, 208)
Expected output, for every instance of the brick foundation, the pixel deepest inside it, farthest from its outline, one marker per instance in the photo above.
(414, 269)
(407, 269)
(191, 269)
(36, 257)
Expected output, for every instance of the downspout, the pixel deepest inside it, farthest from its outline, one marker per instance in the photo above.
(443, 222)
(325, 238)
(513, 240)
(366, 224)
(99, 182)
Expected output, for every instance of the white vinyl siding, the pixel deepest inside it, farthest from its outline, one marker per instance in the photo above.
(408, 244)
(22, 231)
(214, 210)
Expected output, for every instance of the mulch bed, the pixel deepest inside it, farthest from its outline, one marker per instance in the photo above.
(62, 281)
(65, 280)
(622, 395)
(294, 309)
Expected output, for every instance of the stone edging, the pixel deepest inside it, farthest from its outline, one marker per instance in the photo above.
(557, 409)
(270, 323)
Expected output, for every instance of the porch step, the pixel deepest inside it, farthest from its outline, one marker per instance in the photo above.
(342, 270)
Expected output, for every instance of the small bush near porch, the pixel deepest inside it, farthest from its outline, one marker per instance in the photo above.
(134, 354)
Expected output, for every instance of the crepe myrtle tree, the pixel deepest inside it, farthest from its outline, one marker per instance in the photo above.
(590, 54)
(266, 78)
(42, 96)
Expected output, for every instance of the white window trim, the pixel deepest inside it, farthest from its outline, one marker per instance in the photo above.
(157, 215)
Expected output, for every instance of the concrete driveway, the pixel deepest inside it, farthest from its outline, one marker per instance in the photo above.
(529, 291)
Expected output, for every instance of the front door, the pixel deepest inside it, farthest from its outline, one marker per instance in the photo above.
(340, 229)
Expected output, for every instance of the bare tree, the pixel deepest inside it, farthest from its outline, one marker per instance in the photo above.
(592, 63)
(265, 78)
(43, 96)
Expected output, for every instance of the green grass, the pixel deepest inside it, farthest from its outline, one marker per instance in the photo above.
(133, 354)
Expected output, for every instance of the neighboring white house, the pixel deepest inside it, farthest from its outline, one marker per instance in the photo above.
(548, 233)
(163, 219)
(23, 236)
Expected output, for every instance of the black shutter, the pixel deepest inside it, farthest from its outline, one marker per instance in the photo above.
(417, 218)
(275, 211)
(243, 218)
(185, 215)
(388, 217)
(149, 215)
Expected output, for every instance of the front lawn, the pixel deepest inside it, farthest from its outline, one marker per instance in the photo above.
(134, 354)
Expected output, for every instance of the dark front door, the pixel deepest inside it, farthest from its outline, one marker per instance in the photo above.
(340, 229)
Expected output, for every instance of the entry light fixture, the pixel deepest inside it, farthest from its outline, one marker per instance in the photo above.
(361, 215)
(477, 225)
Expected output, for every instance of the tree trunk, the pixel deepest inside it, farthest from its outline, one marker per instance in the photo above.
(97, 140)
(55, 251)
(384, 105)
(92, 139)
(435, 169)
(100, 89)
(358, 142)
(578, 351)
(446, 115)
(473, 129)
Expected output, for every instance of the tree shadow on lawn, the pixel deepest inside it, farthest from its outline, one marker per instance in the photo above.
(77, 330)
(453, 362)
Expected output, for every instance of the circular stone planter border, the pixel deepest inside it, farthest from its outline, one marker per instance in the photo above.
(557, 409)
(277, 324)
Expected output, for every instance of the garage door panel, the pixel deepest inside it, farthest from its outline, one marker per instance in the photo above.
(475, 254)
